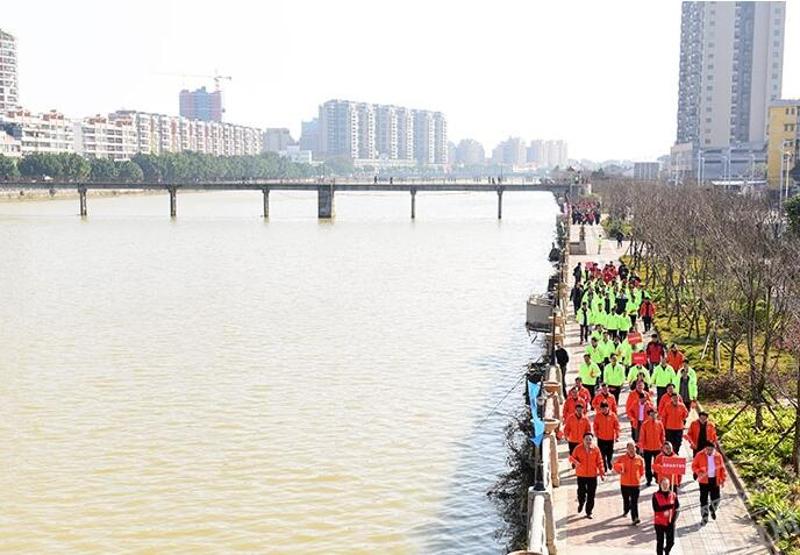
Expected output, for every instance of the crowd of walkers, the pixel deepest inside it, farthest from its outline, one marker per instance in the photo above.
(609, 302)
(586, 212)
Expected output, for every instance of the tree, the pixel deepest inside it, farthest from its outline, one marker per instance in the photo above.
(129, 172)
(792, 208)
(74, 166)
(152, 166)
(8, 168)
(103, 169)
(41, 165)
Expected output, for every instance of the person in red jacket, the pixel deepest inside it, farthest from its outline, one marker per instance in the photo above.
(606, 428)
(588, 465)
(654, 351)
(710, 470)
(647, 310)
(636, 408)
(604, 396)
(651, 439)
(630, 468)
(658, 467)
(665, 513)
(571, 402)
(674, 419)
(576, 427)
(666, 398)
(583, 393)
(675, 358)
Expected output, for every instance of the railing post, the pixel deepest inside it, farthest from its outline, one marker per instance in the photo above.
(265, 191)
(173, 202)
(499, 203)
(82, 200)
(325, 202)
(413, 203)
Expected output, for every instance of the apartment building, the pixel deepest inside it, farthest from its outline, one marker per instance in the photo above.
(9, 99)
(783, 140)
(49, 132)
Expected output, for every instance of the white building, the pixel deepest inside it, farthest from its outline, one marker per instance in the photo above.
(49, 132)
(110, 137)
(8, 72)
(731, 68)
(276, 139)
(646, 171)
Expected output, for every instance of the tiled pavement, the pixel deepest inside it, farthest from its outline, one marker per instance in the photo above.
(609, 532)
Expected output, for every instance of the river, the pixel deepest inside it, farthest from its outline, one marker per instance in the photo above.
(217, 383)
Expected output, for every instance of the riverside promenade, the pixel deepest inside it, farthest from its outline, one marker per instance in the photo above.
(733, 532)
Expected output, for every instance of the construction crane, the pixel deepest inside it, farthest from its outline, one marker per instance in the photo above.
(216, 77)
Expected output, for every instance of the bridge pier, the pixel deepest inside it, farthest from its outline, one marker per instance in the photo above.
(413, 203)
(173, 202)
(82, 198)
(499, 203)
(265, 191)
(325, 202)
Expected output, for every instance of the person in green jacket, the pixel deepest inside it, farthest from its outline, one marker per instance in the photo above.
(589, 372)
(613, 325)
(606, 346)
(633, 375)
(597, 333)
(662, 376)
(623, 325)
(624, 352)
(686, 384)
(594, 351)
(614, 376)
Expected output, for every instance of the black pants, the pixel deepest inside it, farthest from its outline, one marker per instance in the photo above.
(622, 334)
(648, 323)
(571, 446)
(584, 333)
(630, 501)
(706, 490)
(660, 391)
(662, 533)
(586, 490)
(648, 465)
(635, 427)
(675, 437)
(606, 450)
(614, 390)
(591, 387)
(633, 322)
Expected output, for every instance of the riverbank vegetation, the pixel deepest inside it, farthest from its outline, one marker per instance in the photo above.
(162, 168)
(724, 274)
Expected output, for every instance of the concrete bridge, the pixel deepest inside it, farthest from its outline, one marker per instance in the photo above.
(325, 189)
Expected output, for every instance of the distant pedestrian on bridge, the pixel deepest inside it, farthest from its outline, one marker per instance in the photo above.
(630, 468)
(588, 464)
(665, 513)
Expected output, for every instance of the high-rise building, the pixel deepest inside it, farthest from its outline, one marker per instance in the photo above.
(382, 134)
(201, 104)
(646, 171)
(277, 139)
(731, 68)
(113, 137)
(309, 137)
(511, 152)
(547, 154)
(8, 72)
(783, 141)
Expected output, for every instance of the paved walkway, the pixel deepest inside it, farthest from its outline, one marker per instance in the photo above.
(609, 532)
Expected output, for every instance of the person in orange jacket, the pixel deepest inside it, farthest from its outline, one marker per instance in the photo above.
(701, 432)
(674, 478)
(576, 427)
(636, 408)
(675, 358)
(630, 468)
(606, 428)
(665, 399)
(583, 393)
(588, 464)
(651, 439)
(711, 474)
(573, 399)
(674, 419)
(604, 395)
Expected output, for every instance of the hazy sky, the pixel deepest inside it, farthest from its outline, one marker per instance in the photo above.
(600, 74)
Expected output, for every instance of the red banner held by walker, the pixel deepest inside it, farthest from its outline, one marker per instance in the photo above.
(639, 357)
(634, 338)
(673, 466)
